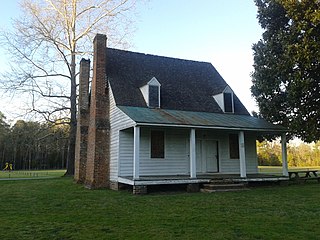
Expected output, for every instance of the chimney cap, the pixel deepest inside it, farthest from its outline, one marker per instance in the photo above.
(100, 36)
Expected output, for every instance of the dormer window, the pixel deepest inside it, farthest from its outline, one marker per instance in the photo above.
(154, 96)
(225, 100)
(151, 93)
(228, 102)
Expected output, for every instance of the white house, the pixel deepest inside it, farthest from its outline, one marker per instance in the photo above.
(160, 120)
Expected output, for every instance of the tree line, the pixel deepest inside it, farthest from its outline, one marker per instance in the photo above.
(32, 145)
(302, 155)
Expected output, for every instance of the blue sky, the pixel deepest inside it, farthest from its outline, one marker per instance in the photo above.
(217, 31)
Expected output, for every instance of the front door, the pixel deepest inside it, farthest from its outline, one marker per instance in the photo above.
(206, 156)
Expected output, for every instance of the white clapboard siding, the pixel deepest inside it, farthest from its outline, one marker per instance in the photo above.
(228, 165)
(118, 120)
(126, 152)
(176, 160)
(251, 153)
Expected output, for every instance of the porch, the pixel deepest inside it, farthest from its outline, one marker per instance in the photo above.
(182, 147)
(200, 179)
(190, 155)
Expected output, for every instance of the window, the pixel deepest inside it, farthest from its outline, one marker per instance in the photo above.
(157, 144)
(154, 96)
(234, 146)
(227, 97)
(151, 93)
(225, 100)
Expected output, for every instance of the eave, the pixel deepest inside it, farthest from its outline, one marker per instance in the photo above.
(203, 120)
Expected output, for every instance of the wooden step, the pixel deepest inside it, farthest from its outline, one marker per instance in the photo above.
(223, 186)
(204, 190)
(221, 181)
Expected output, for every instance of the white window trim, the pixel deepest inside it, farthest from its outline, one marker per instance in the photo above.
(145, 91)
(165, 142)
(219, 98)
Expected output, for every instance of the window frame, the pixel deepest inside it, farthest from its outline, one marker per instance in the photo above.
(231, 107)
(234, 152)
(150, 103)
(156, 151)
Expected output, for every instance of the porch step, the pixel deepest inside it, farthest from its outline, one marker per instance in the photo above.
(223, 186)
(204, 190)
(221, 181)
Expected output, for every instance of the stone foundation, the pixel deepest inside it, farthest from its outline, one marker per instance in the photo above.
(114, 186)
(139, 190)
(193, 187)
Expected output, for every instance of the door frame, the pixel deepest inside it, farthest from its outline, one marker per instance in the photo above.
(201, 140)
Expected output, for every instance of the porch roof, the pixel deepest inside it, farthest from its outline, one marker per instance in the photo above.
(165, 117)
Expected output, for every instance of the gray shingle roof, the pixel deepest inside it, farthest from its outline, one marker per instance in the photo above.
(185, 85)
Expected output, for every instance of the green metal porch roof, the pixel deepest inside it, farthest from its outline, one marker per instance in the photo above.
(159, 117)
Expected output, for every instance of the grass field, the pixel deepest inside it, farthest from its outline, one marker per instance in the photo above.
(32, 174)
(58, 208)
(278, 170)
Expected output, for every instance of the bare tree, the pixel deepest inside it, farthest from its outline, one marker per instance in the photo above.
(47, 43)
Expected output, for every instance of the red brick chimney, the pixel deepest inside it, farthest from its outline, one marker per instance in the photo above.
(82, 122)
(98, 157)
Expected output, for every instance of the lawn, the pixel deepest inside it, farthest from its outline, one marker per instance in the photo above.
(278, 170)
(58, 208)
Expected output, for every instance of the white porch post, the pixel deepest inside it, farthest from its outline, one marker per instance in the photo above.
(136, 152)
(193, 171)
(242, 155)
(284, 155)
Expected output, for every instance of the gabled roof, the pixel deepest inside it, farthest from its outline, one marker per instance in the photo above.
(161, 117)
(185, 85)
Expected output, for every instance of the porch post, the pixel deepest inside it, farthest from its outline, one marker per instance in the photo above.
(284, 155)
(193, 153)
(136, 152)
(242, 155)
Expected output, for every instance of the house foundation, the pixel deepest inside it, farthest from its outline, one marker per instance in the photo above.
(114, 186)
(139, 189)
(193, 187)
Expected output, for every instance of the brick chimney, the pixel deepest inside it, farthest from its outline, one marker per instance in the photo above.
(98, 157)
(82, 122)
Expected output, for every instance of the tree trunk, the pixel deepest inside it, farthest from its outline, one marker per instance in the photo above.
(62, 150)
(73, 120)
(29, 159)
(15, 155)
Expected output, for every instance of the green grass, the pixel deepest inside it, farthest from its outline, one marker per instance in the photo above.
(278, 170)
(60, 209)
(32, 174)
